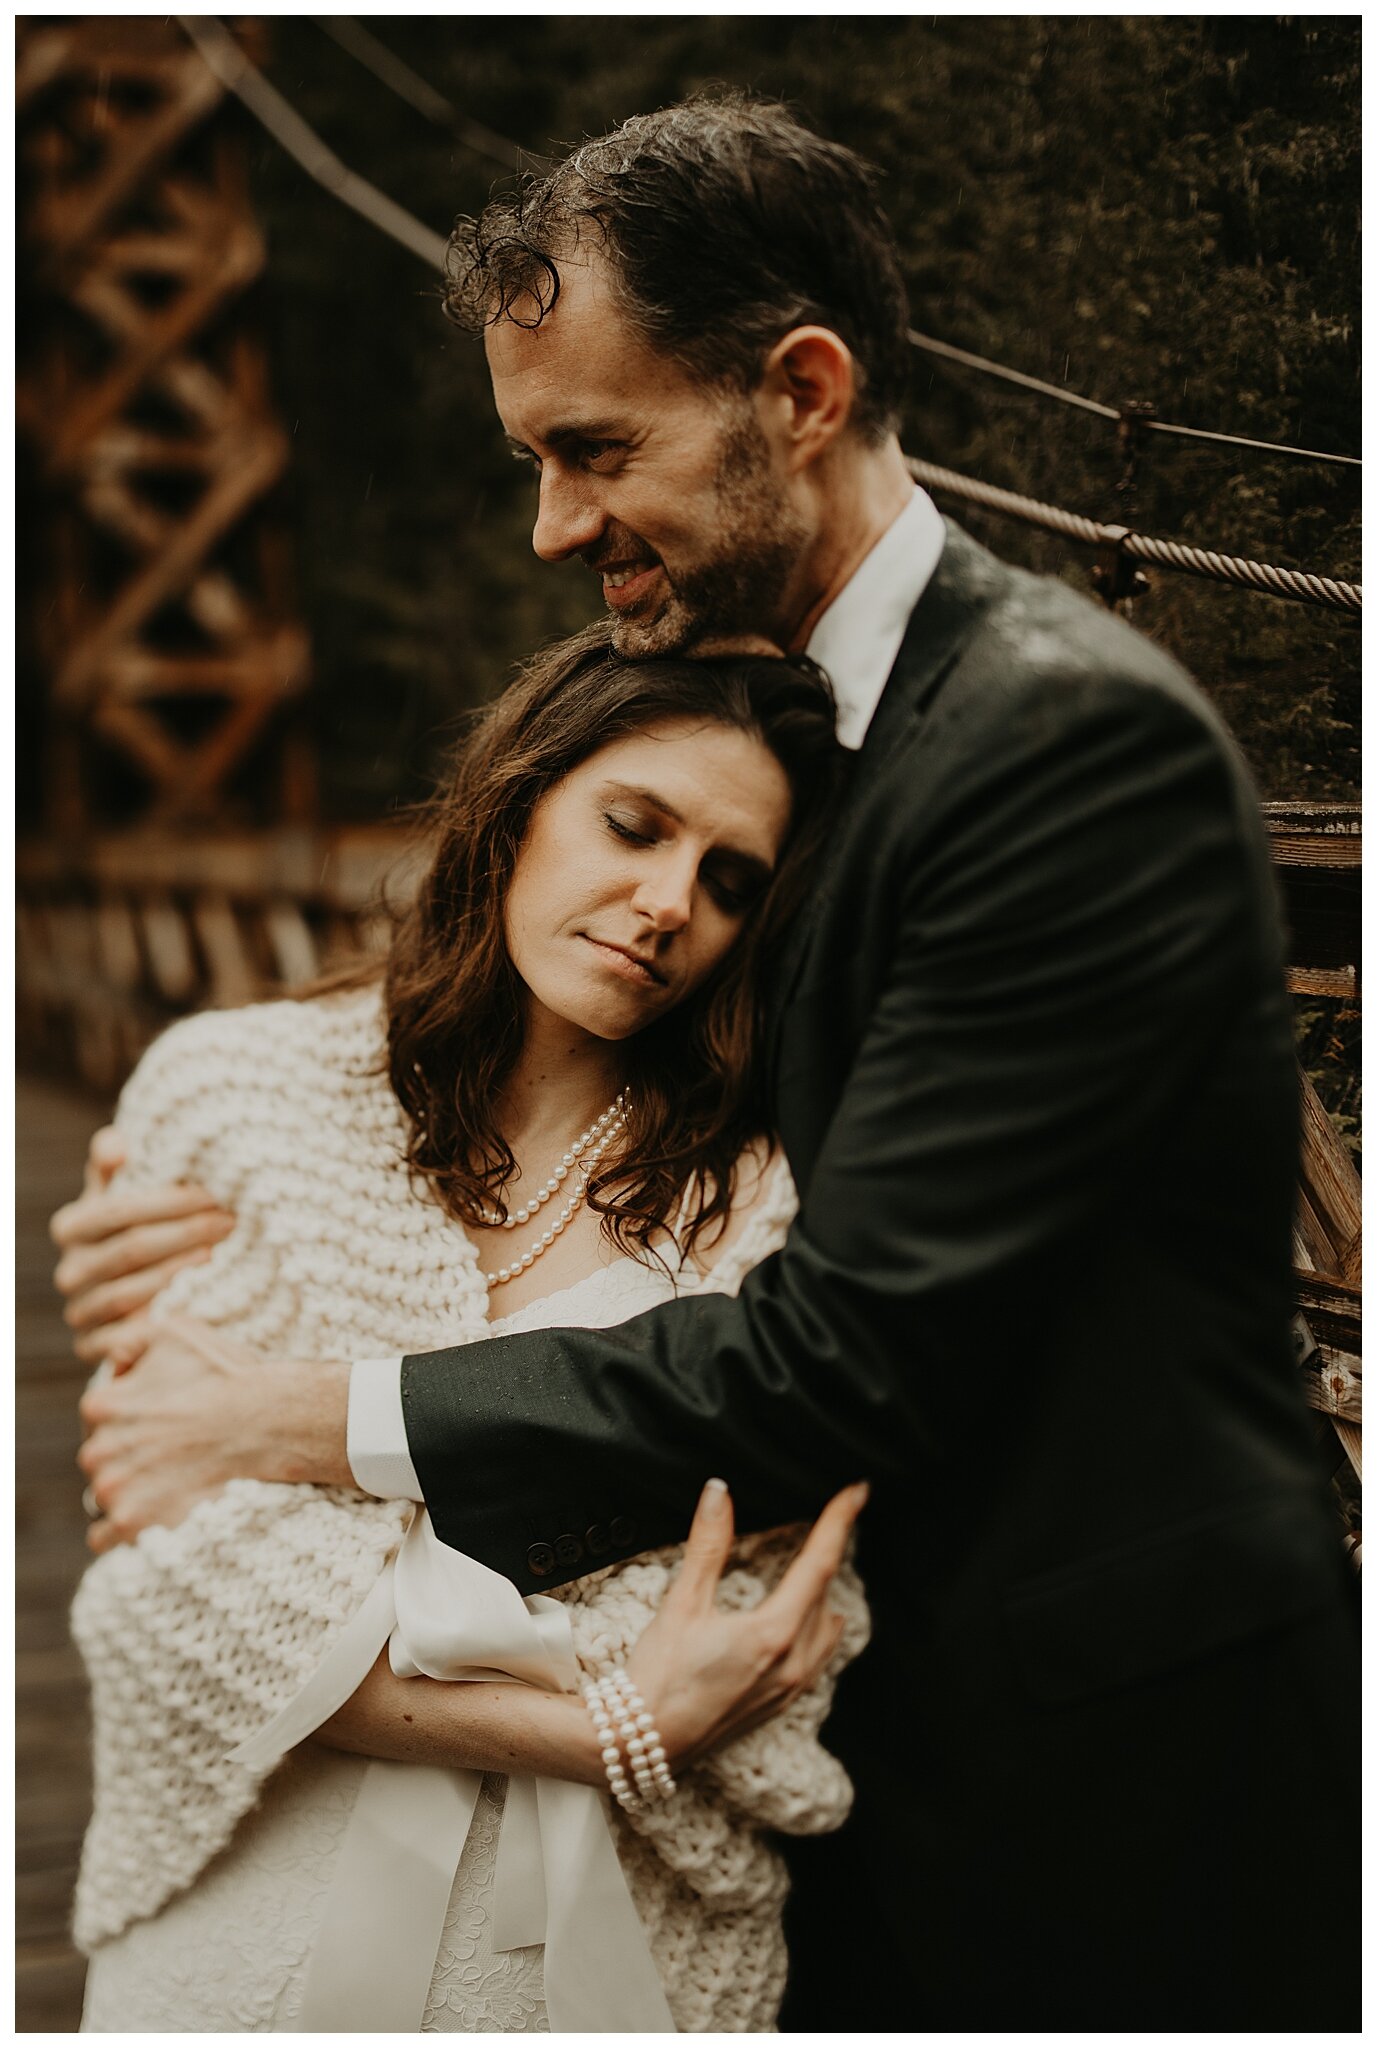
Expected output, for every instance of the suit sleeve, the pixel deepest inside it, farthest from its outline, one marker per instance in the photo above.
(1078, 916)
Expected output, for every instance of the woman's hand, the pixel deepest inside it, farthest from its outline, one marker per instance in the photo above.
(707, 1675)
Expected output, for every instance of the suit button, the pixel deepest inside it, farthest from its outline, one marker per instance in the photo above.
(598, 1540)
(568, 1549)
(622, 1530)
(541, 1559)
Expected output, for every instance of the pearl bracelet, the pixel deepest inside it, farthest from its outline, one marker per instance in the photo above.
(617, 1709)
(643, 1745)
(597, 1705)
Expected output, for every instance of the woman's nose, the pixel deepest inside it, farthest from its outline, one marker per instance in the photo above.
(664, 897)
(568, 520)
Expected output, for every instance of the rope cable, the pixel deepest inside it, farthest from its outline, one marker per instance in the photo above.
(229, 64)
(933, 347)
(1298, 584)
(234, 71)
(390, 70)
(1140, 422)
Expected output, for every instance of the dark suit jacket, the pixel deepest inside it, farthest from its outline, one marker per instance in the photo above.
(1034, 1077)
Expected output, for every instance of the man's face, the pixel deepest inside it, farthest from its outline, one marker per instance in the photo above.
(668, 491)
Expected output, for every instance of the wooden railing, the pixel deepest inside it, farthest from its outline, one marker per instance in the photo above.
(117, 937)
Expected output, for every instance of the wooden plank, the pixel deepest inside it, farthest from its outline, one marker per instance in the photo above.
(1330, 820)
(259, 461)
(1333, 1308)
(1339, 852)
(1318, 852)
(186, 91)
(293, 947)
(1340, 982)
(1351, 1437)
(170, 954)
(232, 976)
(117, 933)
(345, 868)
(1333, 1385)
(1332, 1191)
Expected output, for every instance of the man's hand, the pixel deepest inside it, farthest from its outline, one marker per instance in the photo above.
(709, 1675)
(120, 1247)
(199, 1410)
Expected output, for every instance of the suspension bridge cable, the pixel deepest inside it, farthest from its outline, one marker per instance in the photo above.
(1297, 584)
(1241, 441)
(234, 71)
(933, 347)
(390, 70)
(229, 64)
(1138, 420)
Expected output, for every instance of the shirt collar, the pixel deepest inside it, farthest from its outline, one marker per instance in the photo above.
(859, 635)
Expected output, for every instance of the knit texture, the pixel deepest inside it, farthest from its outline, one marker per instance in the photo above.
(195, 1636)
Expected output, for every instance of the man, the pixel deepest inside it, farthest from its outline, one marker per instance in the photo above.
(1033, 1073)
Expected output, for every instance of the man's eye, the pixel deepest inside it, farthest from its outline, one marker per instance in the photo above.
(600, 454)
(625, 831)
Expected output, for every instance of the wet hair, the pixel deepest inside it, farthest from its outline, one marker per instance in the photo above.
(726, 223)
(454, 1000)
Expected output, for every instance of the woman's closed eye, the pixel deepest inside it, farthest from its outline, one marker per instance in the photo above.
(623, 830)
(733, 884)
(734, 891)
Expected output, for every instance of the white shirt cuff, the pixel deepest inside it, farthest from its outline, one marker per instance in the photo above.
(376, 1441)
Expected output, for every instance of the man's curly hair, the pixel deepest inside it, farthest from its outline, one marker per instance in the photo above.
(726, 222)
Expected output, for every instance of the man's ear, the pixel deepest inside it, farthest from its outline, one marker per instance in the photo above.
(810, 374)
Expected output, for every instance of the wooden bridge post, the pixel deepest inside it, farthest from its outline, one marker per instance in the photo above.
(168, 643)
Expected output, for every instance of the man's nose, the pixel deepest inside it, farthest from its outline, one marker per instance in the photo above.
(568, 519)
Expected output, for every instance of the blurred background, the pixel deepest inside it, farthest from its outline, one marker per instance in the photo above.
(271, 545)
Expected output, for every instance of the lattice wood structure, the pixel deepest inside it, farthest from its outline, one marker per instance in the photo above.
(168, 641)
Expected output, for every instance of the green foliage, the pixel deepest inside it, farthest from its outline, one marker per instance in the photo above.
(1160, 208)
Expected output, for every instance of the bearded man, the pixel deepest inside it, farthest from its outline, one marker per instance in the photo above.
(1032, 1069)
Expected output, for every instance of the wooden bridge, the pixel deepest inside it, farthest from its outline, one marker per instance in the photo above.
(176, 669)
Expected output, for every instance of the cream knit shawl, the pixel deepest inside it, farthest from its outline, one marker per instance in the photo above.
(195, 1636)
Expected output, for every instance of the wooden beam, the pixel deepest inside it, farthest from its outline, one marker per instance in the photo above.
(1335, 982)
(1332, 1192)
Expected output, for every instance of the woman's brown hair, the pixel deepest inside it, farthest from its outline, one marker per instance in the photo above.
(454, 1000)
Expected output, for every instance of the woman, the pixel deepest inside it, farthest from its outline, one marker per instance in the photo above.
(550, 1113)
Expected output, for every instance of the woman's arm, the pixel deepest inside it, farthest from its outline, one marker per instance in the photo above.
(512, 1727)
(706, 1675)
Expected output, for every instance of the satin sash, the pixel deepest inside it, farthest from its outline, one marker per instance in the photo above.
(557, 1879)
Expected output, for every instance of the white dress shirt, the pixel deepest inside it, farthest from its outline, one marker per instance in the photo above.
(856, 640)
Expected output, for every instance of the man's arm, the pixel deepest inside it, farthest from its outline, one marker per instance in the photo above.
(1079, 923)
(1082, 923)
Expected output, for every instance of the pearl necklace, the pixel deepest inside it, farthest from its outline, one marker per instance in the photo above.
(593, 1143)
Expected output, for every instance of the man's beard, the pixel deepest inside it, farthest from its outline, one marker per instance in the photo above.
(753, 551)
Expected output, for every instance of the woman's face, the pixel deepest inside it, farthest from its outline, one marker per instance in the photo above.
(640, 869)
